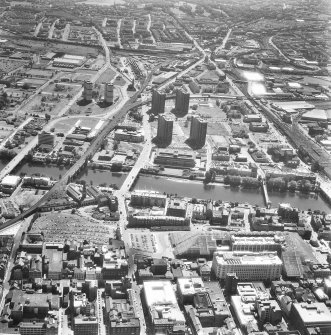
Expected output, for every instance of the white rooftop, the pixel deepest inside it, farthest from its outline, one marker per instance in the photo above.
(11, 181)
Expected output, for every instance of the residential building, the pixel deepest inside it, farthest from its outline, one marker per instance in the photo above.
(148, 199)
(88, 89)
(164, 129)
(109, 93)
(158, 102)
(182, 101)
(198, 131)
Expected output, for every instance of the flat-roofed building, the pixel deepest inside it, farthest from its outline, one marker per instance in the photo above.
(159, 222)
(148, 198)
(135, 136)
(249, 266)
(109, 93)
(32, 328)
(254, 243)
(88, 89)
(188, 287)
(86, 325)
(175, 158)
(311, 315)
(177, 207)
(163, 308)
(165, 126)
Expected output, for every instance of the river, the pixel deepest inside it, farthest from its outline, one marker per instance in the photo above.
(194, 189)
(95, 177)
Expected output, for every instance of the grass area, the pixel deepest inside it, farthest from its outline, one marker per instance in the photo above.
(27, 197)
(65, 125)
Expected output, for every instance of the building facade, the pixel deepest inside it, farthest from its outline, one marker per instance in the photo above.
(109, 93)
(250, 266)
(198, 131)
(88, 89)
(158, 102)
(46, 138)
(182, 101)
(164, 129)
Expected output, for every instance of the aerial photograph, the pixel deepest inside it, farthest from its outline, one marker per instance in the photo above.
(165, 167)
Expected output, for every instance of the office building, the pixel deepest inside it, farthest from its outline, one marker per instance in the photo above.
(158, 102)
(182, 101)
(188, 287)
(88, 89)
(250, 266)
(198, 131)
(46, 139)
(165, 126)
(109, 93)
(164, 312)
(268, 311)
(86, 325)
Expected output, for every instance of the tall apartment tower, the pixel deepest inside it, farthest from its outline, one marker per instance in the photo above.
(88, 88)
(182, 101)
(164, 129)
(198, 131)
(158, 102)
(109, 93)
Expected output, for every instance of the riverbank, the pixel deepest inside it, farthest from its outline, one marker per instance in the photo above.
(218, 191)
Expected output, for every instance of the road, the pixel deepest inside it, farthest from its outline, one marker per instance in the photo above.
(222, 46)
(149, 27)
(51, 30)
(276, 48)
(36, 32)
(20, 127)
(119, 22)
(66, 32)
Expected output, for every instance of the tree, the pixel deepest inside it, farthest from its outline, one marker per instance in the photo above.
(208, 177)
(306, 186)
(292, 185)
(26, 86)
(194, 201)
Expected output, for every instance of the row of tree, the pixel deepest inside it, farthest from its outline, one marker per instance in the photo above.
(245, 182)
(282, 185)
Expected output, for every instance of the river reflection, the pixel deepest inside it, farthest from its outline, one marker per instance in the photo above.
(193, 189)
